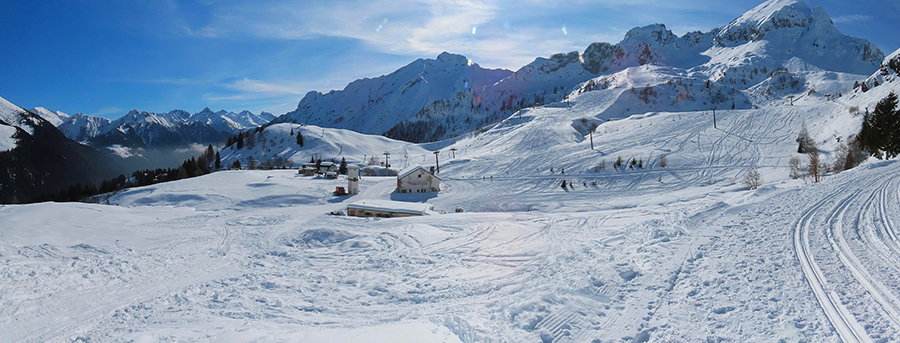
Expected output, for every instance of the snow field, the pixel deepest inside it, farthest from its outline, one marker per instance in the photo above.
(646, 254)
(7, 139)
(721, 266)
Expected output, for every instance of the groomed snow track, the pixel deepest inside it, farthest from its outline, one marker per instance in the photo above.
(865, 215)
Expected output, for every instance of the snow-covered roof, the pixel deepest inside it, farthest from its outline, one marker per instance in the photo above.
(392, 206)
(405, 173)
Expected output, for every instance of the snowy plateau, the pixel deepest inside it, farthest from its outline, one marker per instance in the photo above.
(675, 253)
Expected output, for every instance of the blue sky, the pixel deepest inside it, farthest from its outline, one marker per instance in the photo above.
(108, 57)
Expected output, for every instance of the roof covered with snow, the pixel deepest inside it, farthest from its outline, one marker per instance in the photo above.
(406, 172)
(392, 206)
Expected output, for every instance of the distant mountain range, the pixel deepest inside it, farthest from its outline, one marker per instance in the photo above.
(141, 129)
(754, 55)
(43, 151)
(36, 158)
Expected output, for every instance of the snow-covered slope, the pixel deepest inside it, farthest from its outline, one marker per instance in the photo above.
(36, 158)
(681, 253)
(254, 255)
(792, 29)
(55, 118)
(81, 127)
(276, 141)
(753, 53)
(645, 253)
(374, 105)
(15, 116)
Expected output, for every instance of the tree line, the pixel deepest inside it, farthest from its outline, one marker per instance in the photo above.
(207, 162)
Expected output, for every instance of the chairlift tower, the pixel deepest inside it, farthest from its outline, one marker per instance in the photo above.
(437, 167)
(386, 156)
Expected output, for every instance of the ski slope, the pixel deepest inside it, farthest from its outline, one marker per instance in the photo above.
(677, 254)
(253, 255)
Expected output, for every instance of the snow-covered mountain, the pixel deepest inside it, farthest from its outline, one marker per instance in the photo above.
(177, 128)
(229, 121)
(81, 127)
(54, 118)
(375, 105)
(755, 55)
(36, 158)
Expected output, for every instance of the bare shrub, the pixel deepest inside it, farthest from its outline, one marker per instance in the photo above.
(752, 179)
(795, 167)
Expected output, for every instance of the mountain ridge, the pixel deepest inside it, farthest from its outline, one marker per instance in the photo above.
(739, 55)
(43, 160)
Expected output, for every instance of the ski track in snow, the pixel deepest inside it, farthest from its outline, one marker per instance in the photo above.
(871, 240)
(681, 253)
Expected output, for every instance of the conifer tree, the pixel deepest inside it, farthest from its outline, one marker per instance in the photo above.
(880, 129)
(218, 161)
(804, 141)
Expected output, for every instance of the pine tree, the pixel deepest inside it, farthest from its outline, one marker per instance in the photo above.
(804, 141)
(300, 139)
(218, 161)
(880, 128)
(890, 123)
(564, 184)
(292, 131)
(240, 141)
(343, 168)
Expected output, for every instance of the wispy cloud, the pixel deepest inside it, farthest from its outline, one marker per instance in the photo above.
(265, 88)
(275, 97)
(851, 18)
(477, 28)
(178, 81)
(106, 111)
(418, 28)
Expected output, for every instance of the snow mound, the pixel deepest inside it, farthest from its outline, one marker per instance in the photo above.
(317, 238)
